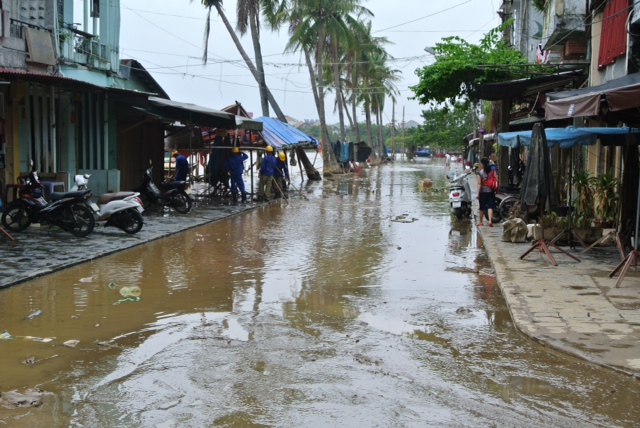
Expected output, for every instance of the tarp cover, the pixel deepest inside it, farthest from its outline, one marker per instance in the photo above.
(621, 94)
(566, 137)
(191, 113)
(279, 134)
(537, 185)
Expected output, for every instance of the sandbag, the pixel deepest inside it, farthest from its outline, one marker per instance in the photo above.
(514, 230)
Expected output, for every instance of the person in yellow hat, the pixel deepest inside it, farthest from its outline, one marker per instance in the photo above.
(235, 166)
(281, 172)
(267, 169)
(182, 166)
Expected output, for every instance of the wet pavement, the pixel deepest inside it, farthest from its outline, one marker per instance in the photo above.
(42, 250)
(368, 303)
(573, 307)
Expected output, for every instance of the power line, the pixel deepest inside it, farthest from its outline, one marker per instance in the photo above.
(424, 17)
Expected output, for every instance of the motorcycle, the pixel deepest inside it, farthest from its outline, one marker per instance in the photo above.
(67, 210)
(460, 195)
(121, 209)
(173, 194)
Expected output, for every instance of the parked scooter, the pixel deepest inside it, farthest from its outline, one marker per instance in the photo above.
(121, 209)
(68, 210)
(460, 195)
(173, 194)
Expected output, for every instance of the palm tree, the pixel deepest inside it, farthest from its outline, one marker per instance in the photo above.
(358, 60)
(379, 82)
(315, 25)
(250, 11)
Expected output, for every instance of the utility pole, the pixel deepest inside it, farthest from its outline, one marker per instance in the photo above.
(393, 126)
(404, 125)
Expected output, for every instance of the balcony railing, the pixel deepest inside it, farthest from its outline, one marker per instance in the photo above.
(86, 49)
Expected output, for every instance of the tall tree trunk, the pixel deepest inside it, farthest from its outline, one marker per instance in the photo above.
(367, 115)
(339, 100)
(380, 142)
(247, 60)
(346, 111)
(354, 110)
(380, 137)
(254, 21)
(328, 159)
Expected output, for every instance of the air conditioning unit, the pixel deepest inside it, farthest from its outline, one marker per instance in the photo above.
(575, 49)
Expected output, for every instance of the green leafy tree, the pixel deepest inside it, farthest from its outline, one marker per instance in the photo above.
(446, 127)
(461, 66)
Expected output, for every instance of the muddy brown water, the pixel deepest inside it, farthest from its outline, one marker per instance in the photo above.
(367, 305)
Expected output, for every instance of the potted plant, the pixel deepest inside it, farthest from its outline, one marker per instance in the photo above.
(583, 202)
(606, 199)
(549, 226)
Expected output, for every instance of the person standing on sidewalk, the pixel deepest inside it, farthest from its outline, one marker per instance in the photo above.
(235, 166)
(486, 196)
(267, 168)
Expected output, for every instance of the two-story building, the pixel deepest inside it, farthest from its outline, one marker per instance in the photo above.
(66, 97)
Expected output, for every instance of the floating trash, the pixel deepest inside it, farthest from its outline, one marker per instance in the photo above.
(5, 335)
(112, 285)
(130, 291)
(127, 299)
(71, 343)
(34, 314)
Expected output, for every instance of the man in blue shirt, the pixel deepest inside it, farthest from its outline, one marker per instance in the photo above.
(182, 166)
(280, 174)
(235, 166)
(267, 170)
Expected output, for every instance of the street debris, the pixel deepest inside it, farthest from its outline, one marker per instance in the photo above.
(5, 335)
(34, 315)
(34, 360)
(463, 311)
(14, 399)
(404, 218)
(131, 293)
(72, 343)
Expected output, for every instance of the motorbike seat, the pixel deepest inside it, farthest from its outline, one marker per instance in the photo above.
(108, 197)
(173, 185)
(55, 196)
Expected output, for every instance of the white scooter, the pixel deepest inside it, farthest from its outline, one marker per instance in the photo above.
(460, 195)
(122, 209)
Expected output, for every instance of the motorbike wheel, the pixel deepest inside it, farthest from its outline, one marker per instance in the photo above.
(181, 202)
(146, 201)
(82, 221)
(16, 217)
(131, 222)
(458, 213)
(506, 205)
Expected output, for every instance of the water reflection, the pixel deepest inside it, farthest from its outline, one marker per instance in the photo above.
(299, 314)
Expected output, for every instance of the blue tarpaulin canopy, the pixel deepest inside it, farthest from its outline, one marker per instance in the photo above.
(566, 137)
(279, 134)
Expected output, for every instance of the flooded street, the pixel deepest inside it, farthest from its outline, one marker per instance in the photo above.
(366, 305)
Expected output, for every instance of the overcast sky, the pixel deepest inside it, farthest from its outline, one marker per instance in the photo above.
(167, 38)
